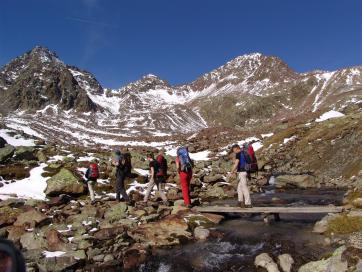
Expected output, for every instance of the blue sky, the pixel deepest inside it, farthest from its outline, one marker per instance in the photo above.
(178, 40)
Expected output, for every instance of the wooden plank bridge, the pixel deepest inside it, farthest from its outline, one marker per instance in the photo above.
(270, 210)
(267, 211)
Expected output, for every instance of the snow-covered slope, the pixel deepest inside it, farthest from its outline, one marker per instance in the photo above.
(52, 100)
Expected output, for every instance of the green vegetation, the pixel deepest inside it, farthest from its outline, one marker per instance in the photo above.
(345, 224)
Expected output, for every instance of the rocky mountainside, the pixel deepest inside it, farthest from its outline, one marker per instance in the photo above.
(38, 78)
(249, 92)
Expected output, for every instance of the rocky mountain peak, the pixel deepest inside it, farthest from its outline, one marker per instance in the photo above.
(147, 82)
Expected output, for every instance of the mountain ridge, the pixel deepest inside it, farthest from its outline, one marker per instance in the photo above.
(248, 91)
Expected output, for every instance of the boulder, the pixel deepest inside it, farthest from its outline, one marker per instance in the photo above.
(357, 202)
(32, 241)
(322, 225)
(166, 232)
(60, 263)
(265, 261)
(6, 153)
(31, 219)
(299, 181)
(134, 257)
(332, 264)
(2, 142)
(213, 178)
(40, 155)
(108, 233)
(214, 192)
(26, 153)
(55, 241)
(285, 262)
(8, 215)
(200, 233)
(116, 212)
(64, 183)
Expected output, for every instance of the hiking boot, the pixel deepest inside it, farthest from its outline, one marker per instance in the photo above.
(241, 205)
(93, 202)
(248, 206)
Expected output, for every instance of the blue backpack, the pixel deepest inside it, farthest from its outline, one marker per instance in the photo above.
(185, 161)
(244, 161)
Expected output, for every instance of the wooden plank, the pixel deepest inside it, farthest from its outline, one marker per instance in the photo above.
(306, 209)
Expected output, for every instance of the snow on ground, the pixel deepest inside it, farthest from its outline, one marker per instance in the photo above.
(53, 254)
(286, 140)
(142, 172)
(16, 140)
(31, 187)
(88, 158)
(199, 156)
(26, 129)
(329, 115)
(267, 135)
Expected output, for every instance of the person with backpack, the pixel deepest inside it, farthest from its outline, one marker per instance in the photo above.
(123, 164)
(241, 167)
(184, 166)
(156, 178)
(91, 175)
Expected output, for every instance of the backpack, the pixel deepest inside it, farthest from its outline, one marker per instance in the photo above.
(93, 171)
(251, 161)
(162, 163)
(184, 158)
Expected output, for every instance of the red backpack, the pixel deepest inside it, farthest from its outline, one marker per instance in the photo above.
(94, 171)
(162, 166)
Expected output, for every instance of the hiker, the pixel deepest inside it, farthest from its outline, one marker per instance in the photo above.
(240, 167)
(184, 166)
(91, 175)
(123, 164)
(156, 178)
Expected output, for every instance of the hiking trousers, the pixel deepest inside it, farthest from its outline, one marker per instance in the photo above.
(243, 190)
(90, 184)
(185, 179)
(120, 188)
(150, 187)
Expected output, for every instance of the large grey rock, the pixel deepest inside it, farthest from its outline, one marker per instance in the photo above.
(6, 153)
(201, 233)
(265, 261)
(116, 212)
(26, 153)
(300, 181)
(332, 264)
(64, 183)
(32, 241)
(285, 262)
(31, 219)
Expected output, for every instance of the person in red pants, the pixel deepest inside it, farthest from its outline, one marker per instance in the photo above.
(184, 167)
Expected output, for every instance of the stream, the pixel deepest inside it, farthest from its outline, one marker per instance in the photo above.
(239, 239)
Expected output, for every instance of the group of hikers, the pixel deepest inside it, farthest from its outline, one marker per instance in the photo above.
(244, 164)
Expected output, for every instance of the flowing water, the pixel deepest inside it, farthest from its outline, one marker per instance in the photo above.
(239, 239)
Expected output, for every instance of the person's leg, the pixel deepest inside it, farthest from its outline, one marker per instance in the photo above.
(160, 188)
(185, 187)
(122, 189)
(118, 185)
(150, 186)
(240, 189)
(244, 188)
(90, 189)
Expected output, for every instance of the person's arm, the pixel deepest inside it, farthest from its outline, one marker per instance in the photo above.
(234, 169)
(177, 165)
(152, 172)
